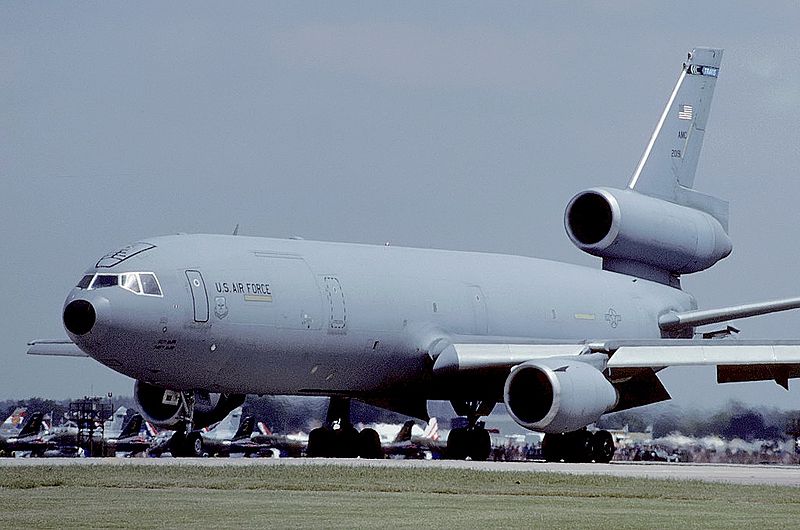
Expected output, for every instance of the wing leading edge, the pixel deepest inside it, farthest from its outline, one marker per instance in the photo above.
(736, 360)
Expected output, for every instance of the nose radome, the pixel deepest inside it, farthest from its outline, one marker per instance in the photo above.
(79, 317)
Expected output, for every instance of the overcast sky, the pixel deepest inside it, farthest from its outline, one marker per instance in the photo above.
(451, 125)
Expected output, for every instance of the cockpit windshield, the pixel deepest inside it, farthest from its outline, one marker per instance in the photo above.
(142, 283)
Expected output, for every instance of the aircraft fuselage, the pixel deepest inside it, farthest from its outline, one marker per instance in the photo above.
(269, 316)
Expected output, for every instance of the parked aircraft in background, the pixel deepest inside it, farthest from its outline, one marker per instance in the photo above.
(291, 445)
(23, 433)
(201, 320)
(131, 439)
(229, 436)
(66, 434)
(426, 445)
(12, 425)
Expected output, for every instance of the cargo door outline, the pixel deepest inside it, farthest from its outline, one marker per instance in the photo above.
(480, 314)
(199, 295)
(337, 322)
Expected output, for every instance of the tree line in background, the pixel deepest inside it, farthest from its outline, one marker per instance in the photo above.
(284, 414)
(734, 420)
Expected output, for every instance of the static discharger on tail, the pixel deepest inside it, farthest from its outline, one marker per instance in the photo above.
(201, 320)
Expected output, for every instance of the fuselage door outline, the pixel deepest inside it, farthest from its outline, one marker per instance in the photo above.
(199, 295)
(337, 322)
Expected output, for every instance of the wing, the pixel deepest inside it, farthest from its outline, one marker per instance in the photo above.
(736, 360)
(61, 348)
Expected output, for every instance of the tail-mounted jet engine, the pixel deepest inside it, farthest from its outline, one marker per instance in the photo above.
(624, 226)
(168, 408)
(557, 395)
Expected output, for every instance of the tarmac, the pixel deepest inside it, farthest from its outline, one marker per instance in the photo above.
(727, 473)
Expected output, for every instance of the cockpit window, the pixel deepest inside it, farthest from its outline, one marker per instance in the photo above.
(141, 283)
(149, 283)
(130, 282)
(105, 280)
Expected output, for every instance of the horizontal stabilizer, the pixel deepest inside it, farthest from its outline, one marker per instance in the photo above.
(60, 348)
(690, 319)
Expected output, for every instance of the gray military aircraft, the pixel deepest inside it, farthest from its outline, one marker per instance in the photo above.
(201, 320)
(21, 433)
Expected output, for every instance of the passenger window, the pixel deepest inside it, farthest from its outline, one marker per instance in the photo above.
(105, 280)
(130, 282)
(149, 284)
(85, 281)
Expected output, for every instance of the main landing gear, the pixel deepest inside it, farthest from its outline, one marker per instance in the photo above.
(472, 441)
(579, 446)
(339, 439)
(186, 442)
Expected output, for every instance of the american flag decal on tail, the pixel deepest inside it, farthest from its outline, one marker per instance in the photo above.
(685, 112)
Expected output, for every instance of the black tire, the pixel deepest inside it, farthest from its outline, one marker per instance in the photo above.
(480, 444)
(319, 443)
(369, 444)
(177, 444)
(346, 442)
(194, 444)
(458, 444)
(579, 447)
(603, 447)
(553, 447)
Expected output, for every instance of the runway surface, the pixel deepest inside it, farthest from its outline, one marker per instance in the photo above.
(733, 474)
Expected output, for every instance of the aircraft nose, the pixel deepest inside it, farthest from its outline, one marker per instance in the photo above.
(79, 317)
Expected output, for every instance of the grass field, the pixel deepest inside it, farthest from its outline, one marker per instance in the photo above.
(346, 497)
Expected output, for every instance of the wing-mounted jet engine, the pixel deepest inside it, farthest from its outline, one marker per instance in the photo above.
(186, 412)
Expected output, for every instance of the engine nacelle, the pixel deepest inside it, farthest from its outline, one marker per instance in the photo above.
(626, 225)
(557, 395)
(164, 408)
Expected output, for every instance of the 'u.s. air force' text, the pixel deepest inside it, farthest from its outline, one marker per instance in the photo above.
(243, 287)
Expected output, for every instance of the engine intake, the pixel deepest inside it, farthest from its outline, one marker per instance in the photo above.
(626, 225)
(557, 395)
(162, 407)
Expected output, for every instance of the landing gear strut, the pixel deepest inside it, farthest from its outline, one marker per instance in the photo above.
(472, 441)
(186, 442)
(579, 446)
(339, 439)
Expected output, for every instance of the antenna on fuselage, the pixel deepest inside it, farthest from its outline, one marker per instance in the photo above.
(236, 230)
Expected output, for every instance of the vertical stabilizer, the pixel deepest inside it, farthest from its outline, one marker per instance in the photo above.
(131, 427)
(669, 162)
(245, 428)
(13, 423)
(32, 426)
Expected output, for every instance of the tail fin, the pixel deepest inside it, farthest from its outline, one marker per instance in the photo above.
(245, 428)
(669, 162)
(228, 426)
(132, 427)
(114, 426)
(432, 430)
(263, 429)
(404, 434)
(152, 430)
(33, 425)
(12, 425)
